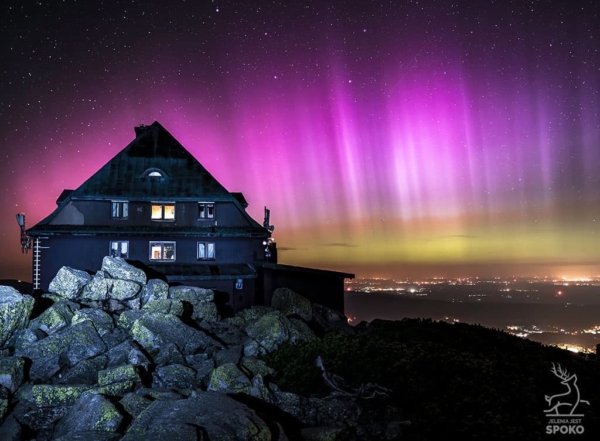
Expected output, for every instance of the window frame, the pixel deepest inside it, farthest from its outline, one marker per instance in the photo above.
(162, 211)
(119, 210)
(118, 249)
(162, 243)
(205, 254)
(204, 213)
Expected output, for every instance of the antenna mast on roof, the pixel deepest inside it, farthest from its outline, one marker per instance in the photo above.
(266, 221)
(269, 243)
(25, 239)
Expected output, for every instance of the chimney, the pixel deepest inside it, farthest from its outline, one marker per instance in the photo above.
(147, 136)
(141, 129)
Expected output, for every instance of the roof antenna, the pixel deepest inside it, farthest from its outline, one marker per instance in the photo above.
(266, 221)
(25, 239)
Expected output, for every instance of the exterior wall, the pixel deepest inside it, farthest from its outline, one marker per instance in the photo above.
(324, 289)
(68, 251)
(227, 250)
(87, 252)
(98, 213)
(229, 299)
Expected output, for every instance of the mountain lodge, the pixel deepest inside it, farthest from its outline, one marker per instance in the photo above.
(156, 206)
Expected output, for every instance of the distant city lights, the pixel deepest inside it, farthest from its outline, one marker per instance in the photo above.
(498, 289)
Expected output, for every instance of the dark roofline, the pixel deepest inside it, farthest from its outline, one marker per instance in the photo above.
(63, 196)
(136, 230)
(153, 147)
(189, 272)
(240, 198)
(152, 198)
(301, 269)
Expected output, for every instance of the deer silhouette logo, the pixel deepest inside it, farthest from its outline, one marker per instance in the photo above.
(566, 403)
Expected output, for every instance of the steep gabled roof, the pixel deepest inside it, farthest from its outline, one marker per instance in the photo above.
(153, 166)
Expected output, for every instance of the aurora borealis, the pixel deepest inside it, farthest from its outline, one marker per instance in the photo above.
(396, 139)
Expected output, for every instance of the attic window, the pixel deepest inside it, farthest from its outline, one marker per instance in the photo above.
(154, 173)
(206, 210)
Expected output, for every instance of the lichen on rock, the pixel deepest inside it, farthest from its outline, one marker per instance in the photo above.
(15, 309)
(69, 282)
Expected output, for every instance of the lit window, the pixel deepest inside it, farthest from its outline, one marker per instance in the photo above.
(119, 248)
(162, 250)
(119, 210)
(206, 251)
(155, 174)
(163, 211)
(206, 210)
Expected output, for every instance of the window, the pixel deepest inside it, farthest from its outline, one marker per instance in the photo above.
(162, 251)
(206, 251)
(206, 210)
(163, 211)
(119, 210)
(119, 248)
(154, 174)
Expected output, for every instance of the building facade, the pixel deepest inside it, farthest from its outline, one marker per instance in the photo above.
(156, 206)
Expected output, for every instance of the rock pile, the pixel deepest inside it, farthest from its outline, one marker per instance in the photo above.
(115, 356)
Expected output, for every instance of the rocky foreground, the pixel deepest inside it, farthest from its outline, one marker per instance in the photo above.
(118, 356)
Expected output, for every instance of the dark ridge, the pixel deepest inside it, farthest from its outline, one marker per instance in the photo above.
(19, 285)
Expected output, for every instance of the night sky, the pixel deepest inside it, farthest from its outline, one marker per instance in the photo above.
(399, 138)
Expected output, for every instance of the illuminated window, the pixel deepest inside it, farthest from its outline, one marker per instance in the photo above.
(163, 211)
(119, 248)
(119, 210)
(206, 210)
(162, 251)
(206, 251)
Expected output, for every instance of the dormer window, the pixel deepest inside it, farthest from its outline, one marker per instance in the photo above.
(206, 210)
(154, 174)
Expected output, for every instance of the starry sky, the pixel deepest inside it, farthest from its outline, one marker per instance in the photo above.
(388, 138)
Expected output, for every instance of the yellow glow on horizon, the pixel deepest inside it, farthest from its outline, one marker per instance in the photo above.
(440, 242)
